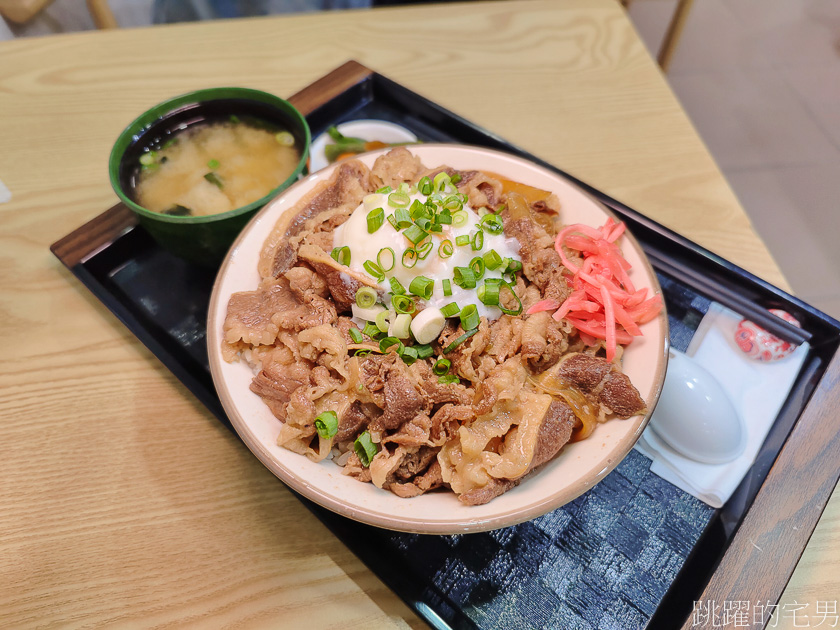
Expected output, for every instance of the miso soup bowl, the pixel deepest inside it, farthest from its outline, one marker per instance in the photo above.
(202, 240)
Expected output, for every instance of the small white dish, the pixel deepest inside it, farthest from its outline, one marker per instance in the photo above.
(369, 130)
(695, 417)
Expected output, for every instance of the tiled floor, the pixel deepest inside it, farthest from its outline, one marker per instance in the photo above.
(760, 79)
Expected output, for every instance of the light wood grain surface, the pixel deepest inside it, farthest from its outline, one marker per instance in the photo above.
(124, 502)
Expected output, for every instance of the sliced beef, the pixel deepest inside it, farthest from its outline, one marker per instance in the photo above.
(351, 423)
(305, 284)
(415, 463)
(584, 371)
(345, 324)
(349, 185)
(429, 480)
(619, 394)
(402, 401)
(543, 341)
(486, 493)
(276, 383)
(250, 313)
(395, 167)
(554, 434)
(599, 378)
(435, 392)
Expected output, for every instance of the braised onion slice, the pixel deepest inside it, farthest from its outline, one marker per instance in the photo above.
(549, 383)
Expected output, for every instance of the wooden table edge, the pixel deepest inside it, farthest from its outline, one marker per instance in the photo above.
(760, 560)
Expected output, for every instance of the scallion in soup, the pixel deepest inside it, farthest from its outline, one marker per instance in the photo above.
(215, 167)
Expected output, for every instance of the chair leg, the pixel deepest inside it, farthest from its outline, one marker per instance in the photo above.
(672, 36)
(101, 13)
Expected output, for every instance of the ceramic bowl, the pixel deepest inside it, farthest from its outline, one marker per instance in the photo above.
(577, 468)
(200, 239)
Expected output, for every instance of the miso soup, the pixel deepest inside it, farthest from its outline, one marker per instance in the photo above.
(215, 167)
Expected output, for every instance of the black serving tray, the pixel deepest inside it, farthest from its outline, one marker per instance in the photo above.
(515, 577)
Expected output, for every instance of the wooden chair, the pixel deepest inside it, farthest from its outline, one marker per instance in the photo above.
(21, 11)
(672, 35)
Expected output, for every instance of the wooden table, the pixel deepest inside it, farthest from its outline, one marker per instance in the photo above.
(124, 502)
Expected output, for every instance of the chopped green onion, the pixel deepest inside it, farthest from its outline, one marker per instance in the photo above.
(375, 219)
(388, 342)
(436, 227)
(445, 249)
(424, 249)
(214, 164)
(409, 355)
(393, 222)
(370, 329)
(366, 297)
(409, 258)
(384, 190)
(284, 138)
(398, 199)
(327, 424)
(456, 178)
(425, 185)
(463, 239)
(477, 266)
(147, 159)
(447, 287)
(460, 218)
(386, 259)
(444, 217)
(513, 266)
(424, 223)
(459, 340)
(356, 335)
(403, 187)
(400, 327)
(361, 352)
(509, 311)
(365, 448)
(415, 234)
(402, 217)
(464, 277)
(374, 270)
(441, 181)
(441, 367)
(341, 255)
(402, 304)
(448, 379)
(488, 292)
(396, 286)
(492, 223)
(492, 259)
(424, 351)
(469, 317)
(450, 310)
(422, 287)
(234, 118)
(453, 203)
(477, 241)
(419, 209)
(214, 179)
(382, 322)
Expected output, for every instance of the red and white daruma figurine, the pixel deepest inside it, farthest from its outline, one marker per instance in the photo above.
(759, 344)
